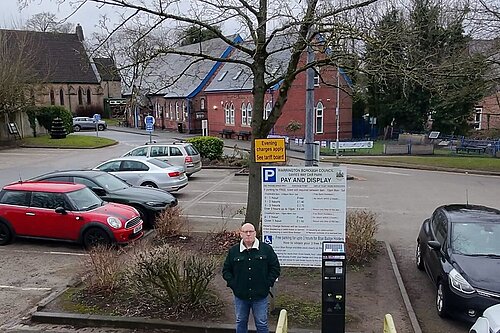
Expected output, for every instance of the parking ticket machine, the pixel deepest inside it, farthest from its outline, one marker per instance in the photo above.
(333, 287)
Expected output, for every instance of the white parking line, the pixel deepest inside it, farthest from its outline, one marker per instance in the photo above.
(25, 288)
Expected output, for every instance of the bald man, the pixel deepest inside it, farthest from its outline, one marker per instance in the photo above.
(250, 269)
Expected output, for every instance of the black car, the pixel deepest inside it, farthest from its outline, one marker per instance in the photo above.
(459, 248)
(149, 202)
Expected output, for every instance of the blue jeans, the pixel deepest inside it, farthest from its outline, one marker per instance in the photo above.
(259, 311)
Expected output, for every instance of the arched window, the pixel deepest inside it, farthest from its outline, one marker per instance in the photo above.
(52, 97)
(89, 100)
(227, 114)
(243, 113)
(231, 113)
(184, 111)
(249, 114)
(169, 114)
(177, 114)
(319, 117)
(80, 96)
(267, 111)
(202, 104)
(61, 97)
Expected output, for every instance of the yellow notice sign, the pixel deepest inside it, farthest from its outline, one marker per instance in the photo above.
(270, 150)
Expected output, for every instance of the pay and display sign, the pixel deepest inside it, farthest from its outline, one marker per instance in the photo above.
(301, 208)
(149, 121)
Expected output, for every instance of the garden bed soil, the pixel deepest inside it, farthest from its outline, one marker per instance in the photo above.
(372, 292)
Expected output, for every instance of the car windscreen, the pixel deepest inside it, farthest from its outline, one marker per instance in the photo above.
(477, 238)
(158, 163)
(110, 182)
(191, 150)
(84, 199)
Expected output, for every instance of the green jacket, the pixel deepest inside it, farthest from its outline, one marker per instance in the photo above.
(252, 272)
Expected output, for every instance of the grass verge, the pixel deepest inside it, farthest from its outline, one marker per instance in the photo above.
(70, 141)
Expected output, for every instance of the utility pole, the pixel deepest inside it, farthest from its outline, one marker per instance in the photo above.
(309, 128)
(337, 114)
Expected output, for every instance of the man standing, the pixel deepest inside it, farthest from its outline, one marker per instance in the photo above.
(250, 269)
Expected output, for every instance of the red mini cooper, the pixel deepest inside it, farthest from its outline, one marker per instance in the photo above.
(64, 211)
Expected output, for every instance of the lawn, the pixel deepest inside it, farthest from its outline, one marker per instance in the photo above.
(71, 141)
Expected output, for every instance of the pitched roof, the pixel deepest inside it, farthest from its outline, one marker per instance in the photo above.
(107, 69)
(56, 57)
(235, 76)
(176, 75)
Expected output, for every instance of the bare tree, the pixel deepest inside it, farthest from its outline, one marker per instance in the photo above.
(18, 77)
(48, 22)
(261, 23)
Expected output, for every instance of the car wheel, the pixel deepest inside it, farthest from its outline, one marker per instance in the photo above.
(418, 257)
(94, 237)
(441, 305)
(5, 234)
(100, 127)
(149, 184)
(144, 216)
(77, 128)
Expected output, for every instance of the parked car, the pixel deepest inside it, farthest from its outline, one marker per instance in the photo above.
(177, 153)
(83, 123)
(459, 248)
(489, 322)
(143, 171)
(149, 202)
(64, 211)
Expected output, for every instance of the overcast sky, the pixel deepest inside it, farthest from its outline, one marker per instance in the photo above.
(87, 16)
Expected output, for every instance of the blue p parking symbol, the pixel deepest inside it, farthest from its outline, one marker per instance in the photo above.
(269, 175)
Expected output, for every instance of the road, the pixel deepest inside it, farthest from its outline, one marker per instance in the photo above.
(401, 198)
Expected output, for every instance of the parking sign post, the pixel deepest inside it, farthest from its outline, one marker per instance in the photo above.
(149, 121)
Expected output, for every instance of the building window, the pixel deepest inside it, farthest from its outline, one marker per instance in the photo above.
(267, 112)
(221, 77)
(478, 117)
(243, 113)
(88, 97)
(52, 97)
(80, 96)
(227, 114)
(61, 96)
(249, 114)
(202, 104)
(316, 77)
(231, 113)
(319, 118)
(177, 114)
(237, 74)
(184, 111)
(169, 115)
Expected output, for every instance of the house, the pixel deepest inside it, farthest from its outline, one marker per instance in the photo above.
(487, 111)
(185, 90)
(64, 73)
(230, 100)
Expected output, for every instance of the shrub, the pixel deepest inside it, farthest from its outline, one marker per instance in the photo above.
(46, 114)
(177, 279)
(105, 272)
(170, 224)
(209, 147)
(361, 243)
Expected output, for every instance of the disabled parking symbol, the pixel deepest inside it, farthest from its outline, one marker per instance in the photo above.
(268, 239)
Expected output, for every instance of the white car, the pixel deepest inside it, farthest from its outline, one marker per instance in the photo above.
(178, 153)
(143, 171)
(489, 322)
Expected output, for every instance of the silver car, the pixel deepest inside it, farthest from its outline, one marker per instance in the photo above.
(143, 171)
(82, 123)
(178, 153)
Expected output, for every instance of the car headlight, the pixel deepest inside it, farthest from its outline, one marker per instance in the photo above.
(114, 222)
(155, 204)
(458, 282)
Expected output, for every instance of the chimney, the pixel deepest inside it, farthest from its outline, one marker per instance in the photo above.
(79, 32)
